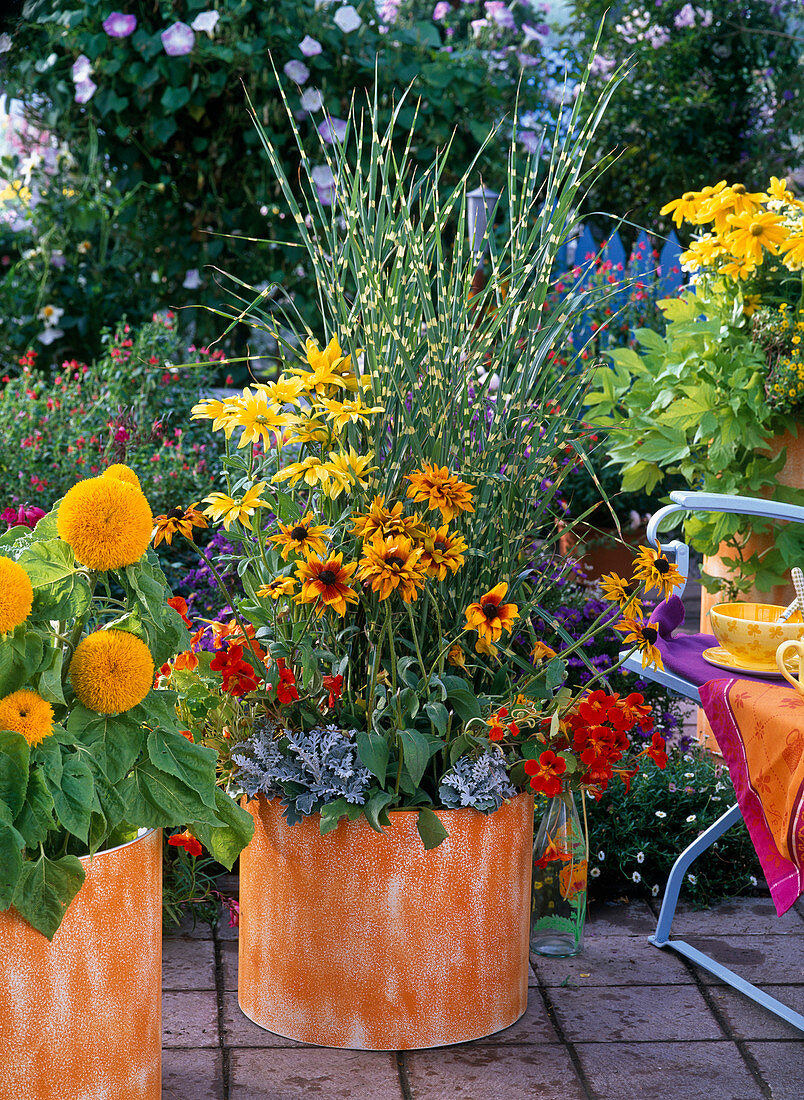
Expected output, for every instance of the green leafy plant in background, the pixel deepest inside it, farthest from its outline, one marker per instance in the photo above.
(160, 96)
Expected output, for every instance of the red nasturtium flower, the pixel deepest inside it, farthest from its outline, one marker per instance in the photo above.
(178, 603)
(546, 772)
(334, 685)
(238, 675)
(656, 751)
(498, 725)
(187, 841)
(286, 684)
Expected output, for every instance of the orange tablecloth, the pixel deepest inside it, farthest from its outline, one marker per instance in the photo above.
(760, 730)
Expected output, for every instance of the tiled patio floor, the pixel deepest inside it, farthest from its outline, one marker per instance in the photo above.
(624, 1021)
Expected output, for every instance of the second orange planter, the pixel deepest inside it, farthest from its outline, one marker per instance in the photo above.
(370, 942)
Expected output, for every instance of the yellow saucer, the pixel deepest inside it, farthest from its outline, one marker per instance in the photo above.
(721, 658)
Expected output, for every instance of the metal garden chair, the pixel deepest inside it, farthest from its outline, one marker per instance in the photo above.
(679, 551)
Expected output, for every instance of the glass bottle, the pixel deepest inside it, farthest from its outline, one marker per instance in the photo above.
(558, 896)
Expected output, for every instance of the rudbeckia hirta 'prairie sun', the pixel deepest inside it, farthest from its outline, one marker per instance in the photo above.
(178, 521)
(655, 571)
(27, 713)
(228, 509)
(490, 616)
(107, 522)
(327, 582)
(302, 537)
(391, 565)
(16, 595)
(111, 671)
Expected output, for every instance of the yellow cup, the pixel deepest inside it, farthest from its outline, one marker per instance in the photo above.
(786, 660)
(750, 631)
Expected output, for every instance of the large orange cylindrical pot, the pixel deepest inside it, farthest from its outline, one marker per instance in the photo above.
(80, 1016)
(370, 942)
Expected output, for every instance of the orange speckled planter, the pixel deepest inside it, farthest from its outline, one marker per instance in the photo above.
(369, 942)
(80, 1018)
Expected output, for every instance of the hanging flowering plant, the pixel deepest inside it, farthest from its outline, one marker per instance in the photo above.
(382, 495)
(90, 752)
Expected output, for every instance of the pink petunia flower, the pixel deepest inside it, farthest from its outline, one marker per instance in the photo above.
(119, 25)
(178, 40)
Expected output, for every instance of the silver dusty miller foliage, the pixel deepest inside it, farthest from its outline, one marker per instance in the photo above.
(481, 783)
(305, 769)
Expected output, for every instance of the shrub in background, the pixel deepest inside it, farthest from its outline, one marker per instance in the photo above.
(634, 838)
(715, 92)
(130, 406)
(162, 87)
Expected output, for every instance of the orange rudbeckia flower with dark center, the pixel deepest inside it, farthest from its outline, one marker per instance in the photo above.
(302, 537)
(490, 616)
(391, 565)
(178, 521)
(327, 583)
(441, 489)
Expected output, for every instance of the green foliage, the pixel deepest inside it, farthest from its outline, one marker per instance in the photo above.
(721, 98)
(692, 404)
(634, 838)
(93, 779)
(173, 136)
(131, 405)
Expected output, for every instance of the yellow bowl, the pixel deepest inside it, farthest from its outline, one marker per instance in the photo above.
(750, 632)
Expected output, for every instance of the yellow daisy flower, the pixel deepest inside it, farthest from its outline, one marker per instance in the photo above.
(259, 422)
(301, 537)
(326, 583)
(443, 552)
(490, 616)
(226, 508)
(278, 587)
(441, 490)
(392, 565)
(751, 232)
(349, 412)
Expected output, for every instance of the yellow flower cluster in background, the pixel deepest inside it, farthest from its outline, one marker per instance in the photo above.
(746, 227)
(781, 332)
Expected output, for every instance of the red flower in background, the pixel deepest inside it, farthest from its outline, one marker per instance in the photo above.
(286, 684)
(657, 751)
(546, 772)
(187, 841)
(334, 685)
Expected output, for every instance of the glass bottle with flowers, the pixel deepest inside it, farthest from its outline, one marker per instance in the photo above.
(584, 746)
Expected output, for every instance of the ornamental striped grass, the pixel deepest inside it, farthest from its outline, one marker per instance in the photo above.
(464, 384)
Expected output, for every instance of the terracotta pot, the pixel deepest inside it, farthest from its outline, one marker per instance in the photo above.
(601, 552)
(372, 943)
(80, 1017)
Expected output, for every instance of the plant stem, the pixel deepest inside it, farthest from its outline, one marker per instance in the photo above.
(416, 644)
(260, 667)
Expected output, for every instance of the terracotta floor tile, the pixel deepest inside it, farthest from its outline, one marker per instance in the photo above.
(192, 1075)
(781, 1066)
(239, 1031)
(748, 1020)
(188, 963)
(611, 961)
(667, 1071)
(775, 960)
(619, 919)
(634, 1014)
